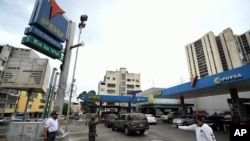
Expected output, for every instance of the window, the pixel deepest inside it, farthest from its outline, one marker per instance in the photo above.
(130, 86)
(113, 78)
(111, 85)
(107, 77)
(137, 86)
(137, 80)
(1, 105)
(123, 77)
(122, 117)
(128, 80)
(110, 91)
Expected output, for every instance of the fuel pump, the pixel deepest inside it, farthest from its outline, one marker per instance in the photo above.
(240, 110)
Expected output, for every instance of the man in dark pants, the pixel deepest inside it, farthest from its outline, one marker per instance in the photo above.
(51, 127)
(92, 128)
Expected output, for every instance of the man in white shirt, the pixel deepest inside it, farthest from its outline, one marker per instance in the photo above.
(51, 127)
(203, 131)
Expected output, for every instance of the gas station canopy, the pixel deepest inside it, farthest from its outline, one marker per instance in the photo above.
(218, 84)
(113, 98)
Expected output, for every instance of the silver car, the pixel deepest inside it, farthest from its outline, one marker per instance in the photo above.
(184, 120)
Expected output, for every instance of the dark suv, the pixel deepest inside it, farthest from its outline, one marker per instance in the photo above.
(131, 122)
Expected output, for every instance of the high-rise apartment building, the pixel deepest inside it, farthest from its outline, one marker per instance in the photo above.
(119, 83)
(214, 54)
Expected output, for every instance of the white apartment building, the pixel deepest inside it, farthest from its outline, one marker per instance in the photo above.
(119, 82)
(213, 54)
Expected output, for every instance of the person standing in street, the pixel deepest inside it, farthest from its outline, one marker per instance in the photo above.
(92, 128)
(203, 131)
(51, 127)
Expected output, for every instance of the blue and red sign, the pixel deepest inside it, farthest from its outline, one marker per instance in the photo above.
(48, 17)
(48, 29)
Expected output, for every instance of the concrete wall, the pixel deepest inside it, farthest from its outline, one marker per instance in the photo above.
(29, 131)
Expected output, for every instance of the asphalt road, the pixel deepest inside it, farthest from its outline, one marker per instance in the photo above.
(160, 132)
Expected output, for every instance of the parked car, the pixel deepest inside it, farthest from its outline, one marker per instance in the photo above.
(151, 118)
(131, 122)
(170, 116)
(184, 120)
(216, 121)
(5, 120)
(109, 120)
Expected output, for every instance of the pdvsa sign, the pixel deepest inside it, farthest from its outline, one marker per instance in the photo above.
(219, 80)
(47, 15)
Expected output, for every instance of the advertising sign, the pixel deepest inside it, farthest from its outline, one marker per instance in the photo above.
(27, 73)
(48, 29)
(48, 17)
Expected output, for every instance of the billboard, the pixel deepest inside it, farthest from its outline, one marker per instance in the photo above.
(27, 73)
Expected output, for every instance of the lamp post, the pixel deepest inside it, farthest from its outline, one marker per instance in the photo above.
(81, 25)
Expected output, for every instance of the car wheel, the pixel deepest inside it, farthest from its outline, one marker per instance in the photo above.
(126, 131)
(113, 127)
(142, 132)
(170, 120)
(185, 124)
(217, 127)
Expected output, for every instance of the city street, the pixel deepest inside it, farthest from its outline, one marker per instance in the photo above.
(159, 132)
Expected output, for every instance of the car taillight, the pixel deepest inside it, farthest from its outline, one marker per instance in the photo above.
(242, 123)
(132, 123)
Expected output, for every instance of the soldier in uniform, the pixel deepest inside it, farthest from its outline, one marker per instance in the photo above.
(92, 128)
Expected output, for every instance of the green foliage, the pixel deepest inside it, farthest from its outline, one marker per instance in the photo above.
(86, 104)
(65, 109)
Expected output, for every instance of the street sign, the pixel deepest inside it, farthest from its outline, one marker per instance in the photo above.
(40, 46)
(43, 37)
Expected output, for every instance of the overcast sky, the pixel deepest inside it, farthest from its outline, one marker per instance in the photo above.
(144, 36)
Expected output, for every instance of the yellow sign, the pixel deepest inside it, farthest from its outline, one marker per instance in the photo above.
(157, 94)
(94, 97)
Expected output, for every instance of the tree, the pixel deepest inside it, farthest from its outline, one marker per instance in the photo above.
(86, 104)
(80, 96)
(65, 109)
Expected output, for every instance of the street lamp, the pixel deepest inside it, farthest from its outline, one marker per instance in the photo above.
(81, 25)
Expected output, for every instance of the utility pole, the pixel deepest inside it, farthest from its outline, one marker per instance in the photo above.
(64, 71)
(81, 25)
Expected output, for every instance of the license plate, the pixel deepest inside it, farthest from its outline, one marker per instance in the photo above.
(141, 125)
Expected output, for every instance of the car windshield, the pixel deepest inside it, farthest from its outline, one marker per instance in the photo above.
(138, 117)
(149, 115)
(113, 116)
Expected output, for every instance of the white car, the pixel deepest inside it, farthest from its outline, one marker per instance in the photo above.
(151, 119)
(184, 120)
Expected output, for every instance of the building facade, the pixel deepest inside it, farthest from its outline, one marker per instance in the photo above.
(119, 83)
(213, 54)
(14, 101)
